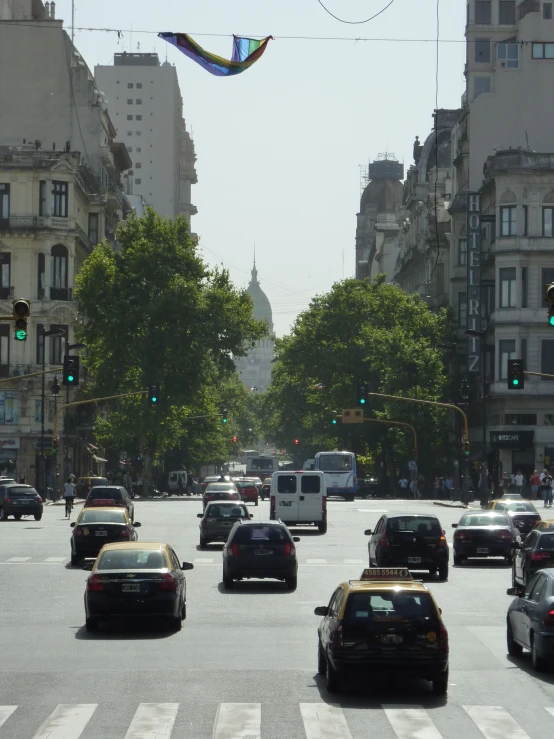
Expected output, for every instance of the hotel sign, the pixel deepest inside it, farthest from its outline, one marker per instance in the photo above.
(474, 280)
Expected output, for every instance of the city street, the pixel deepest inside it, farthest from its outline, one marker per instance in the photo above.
(244, 664)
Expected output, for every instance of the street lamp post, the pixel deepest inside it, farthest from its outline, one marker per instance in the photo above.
(52, 332)
(484, 481)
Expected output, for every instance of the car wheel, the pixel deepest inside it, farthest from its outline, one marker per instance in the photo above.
(17, 516)
(458, 560)
(38, 516)
(321, 661)
(227, 582)
(176, 623)
(443, 571)
(292, 582)
(440, 685)
(331, 677)
(514, 581)
(202, 543)
(3, 514)
(514, 648)
(91, 624)
(256, 502)
(322, 527)
(432, 570)
(75, 559)
(536, 660)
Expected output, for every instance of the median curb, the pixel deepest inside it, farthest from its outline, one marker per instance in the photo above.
(445, 504)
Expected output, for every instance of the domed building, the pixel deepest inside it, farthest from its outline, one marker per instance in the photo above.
(255, 368)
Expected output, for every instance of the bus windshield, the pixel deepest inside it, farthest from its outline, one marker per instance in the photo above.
(261, 463)
(335, 462)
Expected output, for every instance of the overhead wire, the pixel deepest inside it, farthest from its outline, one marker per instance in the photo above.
(355, 23)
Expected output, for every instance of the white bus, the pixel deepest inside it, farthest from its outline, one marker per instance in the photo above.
(340, 472)
(261, 466)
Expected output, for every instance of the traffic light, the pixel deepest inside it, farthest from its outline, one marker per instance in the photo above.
(71, 371)
(224, 417)
(516, 375)
(153, 395)
(549, 297)
(234, 439)
(334, 421)
(296, 442)
(465, 448)
(21, 313)
(361, 397)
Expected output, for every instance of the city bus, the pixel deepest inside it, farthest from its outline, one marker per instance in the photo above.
(261, 466)
(340, 472)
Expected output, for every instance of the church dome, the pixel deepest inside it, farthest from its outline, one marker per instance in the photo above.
(262, 307)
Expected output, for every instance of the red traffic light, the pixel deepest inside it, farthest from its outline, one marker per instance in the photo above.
(234, 439)
(296, 441)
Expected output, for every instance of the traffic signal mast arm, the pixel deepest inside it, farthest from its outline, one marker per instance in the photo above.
(396, 423)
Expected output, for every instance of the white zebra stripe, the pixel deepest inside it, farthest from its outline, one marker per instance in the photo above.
(5, 713)
(66, 721)
(412, 723)
(153, 721)
(494, 722)
(324, 721)
(238, 721)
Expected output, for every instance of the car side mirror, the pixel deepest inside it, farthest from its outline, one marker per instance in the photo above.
(137, 525)
(187, 566)
(199, 515)
(296, 538)
(454, 525)
(321, 611)
(73, 523)
(368, 532)
(251, 515)
(513, 591)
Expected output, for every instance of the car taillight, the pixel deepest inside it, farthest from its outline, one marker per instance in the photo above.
(168, 582)
(383, 541)
(233, 550)
(39, 499)
(8, 500)
(125, 534)
(324, 503)
(77, 531)
(443, 638)
(94, 584)
(549, 618)
(120, 502)
(538, 556)
(462, 536)
(442, 541)
(505, 535)
(336, 636)
(272, 504)
(289, 550)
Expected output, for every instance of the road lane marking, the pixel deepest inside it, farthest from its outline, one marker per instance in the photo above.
(55, 559)
(494, 722)
(5, 713)
(153, 721)
(373, 510)
(66, 721)
(316, 561)
(412, 723)
(324, 721)
(353, 561)
(203, 561)
(550, 711)
(19, 559)
(238, 721)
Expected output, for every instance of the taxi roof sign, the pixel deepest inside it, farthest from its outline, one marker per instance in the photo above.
(386, 573)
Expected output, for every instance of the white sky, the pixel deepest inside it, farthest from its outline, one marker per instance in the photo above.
(279, 146)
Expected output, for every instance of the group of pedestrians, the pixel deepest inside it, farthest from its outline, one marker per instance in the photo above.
(541, 485)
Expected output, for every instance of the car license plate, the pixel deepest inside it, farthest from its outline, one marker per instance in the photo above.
(414, 560)
(101, 533)
(482, 550)
(391, 639)
(262, 551)
(285, 502)
(130, 587)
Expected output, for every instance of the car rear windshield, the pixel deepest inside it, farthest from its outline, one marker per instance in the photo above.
(103, 517)
(226, 511)
(131, 559)
(253, 534)
(490, 520)
(221, 487)
(21, 492)
(546, 542)
(112, 493)
(98, 481)
(260, 464)
(415, 525)
(242, 484)
(516, 507)
(386, 606)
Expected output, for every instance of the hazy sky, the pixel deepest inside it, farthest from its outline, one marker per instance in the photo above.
(279, 146)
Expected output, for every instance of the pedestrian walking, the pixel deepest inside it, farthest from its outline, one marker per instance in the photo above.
(413, 488)
(403, 483)
(546, 487)
(535, 481)
(436, 487)
(449, 486)
(22, 480)
(519, 480)
(190, 483)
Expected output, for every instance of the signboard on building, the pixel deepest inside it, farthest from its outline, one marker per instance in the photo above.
(512, 439)
(474, 358)
(11, 442)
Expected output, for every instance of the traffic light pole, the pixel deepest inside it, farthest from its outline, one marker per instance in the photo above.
(396, 423)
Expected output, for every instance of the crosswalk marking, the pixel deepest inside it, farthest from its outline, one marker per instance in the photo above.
(153, 721)
(324, 721)
(5, 713)
(238, 721)
(411, 723)
(550, 711)
(494, 722)
(66, 721)
(19, 559)
(55, 559)
(316, 561)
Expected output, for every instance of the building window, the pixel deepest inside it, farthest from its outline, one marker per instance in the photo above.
(38, 410)
(524, 289)
(547, 358)
(483, 50)
(4, 350)
(483, 12)
(506, 350)
(40, 343)
(543, 51)
(130, 85)
(4, 201)
(138, 149)
(56, 344)
(507, 13)
(547, 276)
(5, 264)
(42, 198)
(481, 85)
(93, 227)
(129, 101)
(138, 117)
(547, 221)
(525, 220)
(58, 289)
(547, 11)
(138, 101)
(129, 133)
(138, 165)
(138, 133)
(59, 199)
(520, 419)
(138, 181)
(462, 310)
(462, 252)
(524, 352)
(507, 287)
(507, 55)
(139, 85)
(508, 220)
(129, 117)
(40, 276)
(130, 148)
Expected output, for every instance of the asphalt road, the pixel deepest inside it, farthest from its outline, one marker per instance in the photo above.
(244, 664)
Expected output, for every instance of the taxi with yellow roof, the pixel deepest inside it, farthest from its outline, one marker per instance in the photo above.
(545, 525)
(384, 620)
(523, 513)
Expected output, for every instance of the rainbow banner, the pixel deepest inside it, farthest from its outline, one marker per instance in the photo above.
(246, 51)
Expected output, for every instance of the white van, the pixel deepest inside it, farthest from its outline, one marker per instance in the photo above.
(299, 498)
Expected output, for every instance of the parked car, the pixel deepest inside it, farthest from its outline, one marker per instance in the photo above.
(96, 527)
(19, 500)
(218, 519)
(485, 534)
(530, 619)
(535, 553)
(108, 495)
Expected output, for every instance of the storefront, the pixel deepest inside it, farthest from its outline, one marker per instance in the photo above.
(9, 447)
(513, 451)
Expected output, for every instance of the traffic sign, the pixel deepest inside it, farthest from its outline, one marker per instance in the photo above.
(352, 415)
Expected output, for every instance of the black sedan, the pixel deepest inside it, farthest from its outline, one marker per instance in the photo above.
(19, 500)
(135, 580)
(485, 534)
(530, 619)
(96, 527)
(535, 553)
(524, 514)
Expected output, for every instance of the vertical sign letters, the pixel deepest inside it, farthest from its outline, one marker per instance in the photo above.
(473, 280)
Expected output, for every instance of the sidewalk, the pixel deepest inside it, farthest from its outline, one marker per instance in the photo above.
(455, 504)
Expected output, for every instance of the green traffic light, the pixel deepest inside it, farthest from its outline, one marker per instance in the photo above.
(551, 320)
(154, 399)
(362, 401)
(70, 378)
(21, 335)
(334, 421)
(515, 381)
(224, 420)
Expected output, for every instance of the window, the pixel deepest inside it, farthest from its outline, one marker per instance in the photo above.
(138, 101)
(309, 484)
(525, 220)
(38, 410)
(524, 352)
(506, 350)
(42, 199)
(481, 85)
(483, 50)
(129, 85)
(462, 252)
(462, 310)
(56, 344)
(138, 181)
(40, 343)
(508, 221)
(139, 85)
(5, 264)
(129, 117)
(4, 201)
(547, 358)
(4, 347)
(507, 295)
(547, 221)
(138, 165)
(521, 419)
(130, 149)
(93, 227)
(129, 133)
(129, 101)
(547, 275)
(59, 199)
(547, 11)
(58, 290)
(40, 276)
(286, 484)
(138, 117)
(507, 54)
(507, 12)
(543, 51)
(138, 133)
(483, 12)
(138, 149)
(524, 289)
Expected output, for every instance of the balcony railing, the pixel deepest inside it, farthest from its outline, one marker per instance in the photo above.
(61, 293)
(82, 236)
(18, 223)
(62, 224)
